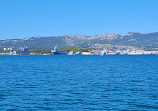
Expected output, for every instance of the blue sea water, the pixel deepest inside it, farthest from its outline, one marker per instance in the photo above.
(79, 83)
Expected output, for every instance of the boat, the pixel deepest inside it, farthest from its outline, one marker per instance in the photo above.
(103, 52)
(57, 51)
(78, 53)
(70, 53)
(118, 52)
(22, 51)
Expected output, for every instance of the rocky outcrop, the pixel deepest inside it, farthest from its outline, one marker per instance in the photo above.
(106, 36)
(80, 37)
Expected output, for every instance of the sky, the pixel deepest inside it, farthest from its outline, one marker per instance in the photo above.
(33, 18)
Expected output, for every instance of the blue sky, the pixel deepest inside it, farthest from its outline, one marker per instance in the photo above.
(27, 18)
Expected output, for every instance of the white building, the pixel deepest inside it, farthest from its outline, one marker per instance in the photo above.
(86, 53)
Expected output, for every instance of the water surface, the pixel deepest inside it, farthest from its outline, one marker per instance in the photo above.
(78, 83)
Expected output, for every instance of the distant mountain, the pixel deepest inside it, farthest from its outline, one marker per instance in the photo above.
(148, 41)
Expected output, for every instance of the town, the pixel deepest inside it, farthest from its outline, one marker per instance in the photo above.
(73, 51)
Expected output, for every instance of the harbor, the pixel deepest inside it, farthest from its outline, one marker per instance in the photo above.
(58, 51)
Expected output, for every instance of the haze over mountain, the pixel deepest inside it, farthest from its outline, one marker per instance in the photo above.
(147, 41)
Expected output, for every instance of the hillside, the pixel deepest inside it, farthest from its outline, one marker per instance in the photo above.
(147, 41)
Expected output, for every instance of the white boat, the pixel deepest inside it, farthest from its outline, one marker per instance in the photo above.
(70, 53)
(78, 53)
(103, 52)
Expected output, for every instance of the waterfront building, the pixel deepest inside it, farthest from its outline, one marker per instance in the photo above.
(86, 53)
(95, 52)
(118, 52)
(136, 52)
(109, 52)
(7, 49)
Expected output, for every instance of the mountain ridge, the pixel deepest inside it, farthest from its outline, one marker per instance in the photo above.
(148, 41)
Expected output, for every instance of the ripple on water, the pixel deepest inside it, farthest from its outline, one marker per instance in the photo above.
(82, 83)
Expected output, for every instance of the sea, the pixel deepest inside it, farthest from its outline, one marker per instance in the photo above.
(79, 83)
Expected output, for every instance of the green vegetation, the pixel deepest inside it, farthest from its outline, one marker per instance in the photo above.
(2, 51)
(74, 49)
(40, 51)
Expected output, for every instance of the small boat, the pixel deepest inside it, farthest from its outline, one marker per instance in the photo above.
(70, 53)
(78, 53)
(103, 52)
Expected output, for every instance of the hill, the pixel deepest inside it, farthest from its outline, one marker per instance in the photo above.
(147, 41)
